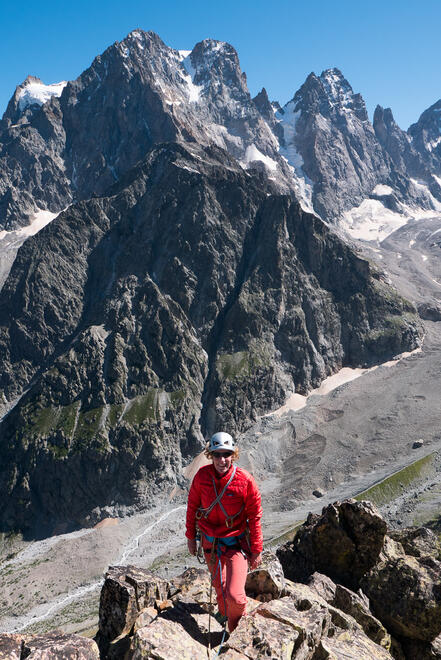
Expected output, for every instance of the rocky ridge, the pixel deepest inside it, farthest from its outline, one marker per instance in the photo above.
(391, 609)
(68, 142)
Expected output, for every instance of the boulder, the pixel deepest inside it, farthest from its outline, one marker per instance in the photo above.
(350, 645)
(344, 542)
(430, 311)
(417, 542)
(126, 591)
(259, 636)
(356, 605)
(405, 593)
(56, 645)
(311, 623)
(322, 585)
(267, 581)
(11, 646)
(192, 586)
(165, 639)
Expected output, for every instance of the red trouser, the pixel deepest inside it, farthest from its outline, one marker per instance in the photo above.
(230, 592)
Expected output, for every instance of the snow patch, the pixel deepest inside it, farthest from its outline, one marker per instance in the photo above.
(11, 241)
(433, 144)
(304, 186)
(252, 153)
(193, 91)
(381, 189)
(372, 221)
(40, 220)
(37, 93)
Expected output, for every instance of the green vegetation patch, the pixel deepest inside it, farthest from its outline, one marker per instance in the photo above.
(115, 413)
(43, 422)
(233, 365)
(143, 408)
(243, 364)
(392, 486)
(147, 407)
(88, 427)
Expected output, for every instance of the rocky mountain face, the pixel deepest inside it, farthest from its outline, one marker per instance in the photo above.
(138, 93)
(189, 297)
(391, 609)
(426, 137)
(327, 130)
(342, 158)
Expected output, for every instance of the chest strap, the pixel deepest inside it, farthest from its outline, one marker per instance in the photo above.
(204, 513)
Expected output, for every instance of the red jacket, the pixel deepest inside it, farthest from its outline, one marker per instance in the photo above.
(241, 491)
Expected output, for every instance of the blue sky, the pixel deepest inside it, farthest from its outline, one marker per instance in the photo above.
(389, 50)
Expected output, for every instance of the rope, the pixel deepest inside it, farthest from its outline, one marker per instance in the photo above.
(212, 577)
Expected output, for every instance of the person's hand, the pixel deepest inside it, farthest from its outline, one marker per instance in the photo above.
(191, 544)
(255, 560)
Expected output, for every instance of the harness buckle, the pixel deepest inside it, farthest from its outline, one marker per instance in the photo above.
(198, 514)
(229, 522)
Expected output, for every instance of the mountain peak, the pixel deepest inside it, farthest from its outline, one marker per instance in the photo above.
(337, 87)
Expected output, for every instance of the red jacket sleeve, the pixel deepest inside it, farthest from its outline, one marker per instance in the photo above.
(253, 508)
(194, 502)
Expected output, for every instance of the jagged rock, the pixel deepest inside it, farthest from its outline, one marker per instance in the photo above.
(344, 542)
(430, 311)
(354, 605)
(127, 591)
(405, 593)
(165, 640)
(351, 645)
(417, 444)
(55, 645)
(357, 605)
(145, 617)
(300, 625)
(417, 542)
(425, 136)
(322, 585)
(267, 581)
(311, 623)
(258, 636)
(192, 586)
(11, 646)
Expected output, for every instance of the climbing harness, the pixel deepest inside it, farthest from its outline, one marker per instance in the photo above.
(204, 513)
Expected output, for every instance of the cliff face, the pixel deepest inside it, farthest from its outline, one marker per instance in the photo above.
(189, 297)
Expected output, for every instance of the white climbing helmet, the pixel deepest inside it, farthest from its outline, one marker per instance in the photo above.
(220, 441)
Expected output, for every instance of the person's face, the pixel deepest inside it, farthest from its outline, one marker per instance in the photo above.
(222, 461)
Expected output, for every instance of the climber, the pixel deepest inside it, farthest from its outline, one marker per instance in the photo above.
(224, 505)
